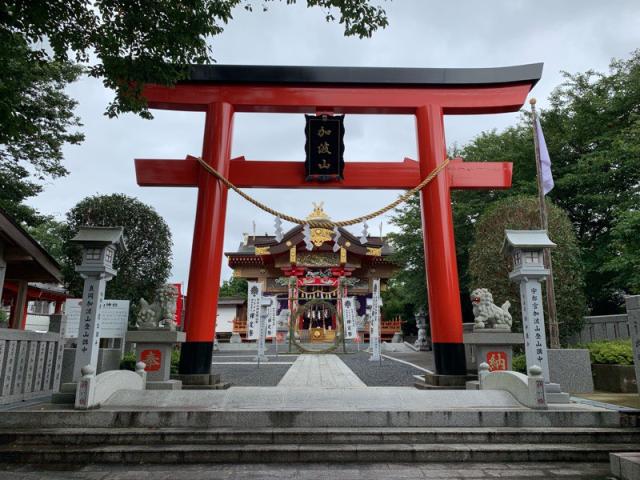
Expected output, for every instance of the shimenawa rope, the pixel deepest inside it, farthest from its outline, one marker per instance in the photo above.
(325, 223)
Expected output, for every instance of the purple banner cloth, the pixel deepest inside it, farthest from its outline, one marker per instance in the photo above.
(545, 161)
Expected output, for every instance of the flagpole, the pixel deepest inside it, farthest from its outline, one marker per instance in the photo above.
(554, 333)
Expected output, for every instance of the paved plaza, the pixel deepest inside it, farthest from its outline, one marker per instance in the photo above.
(397, 369)
(316, 471)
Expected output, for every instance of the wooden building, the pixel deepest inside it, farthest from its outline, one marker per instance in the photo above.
(317, 271)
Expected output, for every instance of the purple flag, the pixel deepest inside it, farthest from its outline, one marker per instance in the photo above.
(545, 161)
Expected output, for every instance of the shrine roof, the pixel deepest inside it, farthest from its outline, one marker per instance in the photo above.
(25, 257)
(363, 76)
(247, 247)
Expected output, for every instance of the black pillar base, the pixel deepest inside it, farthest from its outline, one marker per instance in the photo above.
(195, 358)
(450, 358)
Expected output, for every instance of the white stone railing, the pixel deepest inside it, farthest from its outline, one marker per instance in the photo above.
(93, 390)
(30, 364)
(528, 390)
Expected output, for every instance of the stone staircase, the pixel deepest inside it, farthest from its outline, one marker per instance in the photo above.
(65, 437)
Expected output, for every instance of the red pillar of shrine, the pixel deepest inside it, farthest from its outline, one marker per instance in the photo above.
(208, 240)
(445, 314)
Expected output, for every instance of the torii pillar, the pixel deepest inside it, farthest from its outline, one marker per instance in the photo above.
(428, 94)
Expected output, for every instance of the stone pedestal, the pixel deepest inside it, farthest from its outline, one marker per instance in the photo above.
(571, 368)
(154, 347)
(235, 338)
(493, 346)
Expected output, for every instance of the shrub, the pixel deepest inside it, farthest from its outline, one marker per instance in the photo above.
(175, 361)
(489, 269)
(519, 363)
(611, 352)
(128, 362)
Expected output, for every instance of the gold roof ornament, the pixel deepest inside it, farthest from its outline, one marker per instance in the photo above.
(318, 212)
(319, 235)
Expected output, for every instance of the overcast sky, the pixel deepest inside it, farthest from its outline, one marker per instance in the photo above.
(571, 36)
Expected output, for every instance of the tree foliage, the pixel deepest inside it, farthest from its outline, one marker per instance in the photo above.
(145, 262)
(50, 234)
(592, 129)
(234, 287)
(36, 119)
(488, 268)
(126, 43)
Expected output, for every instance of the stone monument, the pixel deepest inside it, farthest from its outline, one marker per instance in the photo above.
(526, 249)
(156, 338)
(633, 315)
(374, 322)
(491, 340)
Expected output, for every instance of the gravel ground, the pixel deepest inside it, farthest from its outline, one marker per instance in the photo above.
(250, 375)
(239, 373)
(389, 373)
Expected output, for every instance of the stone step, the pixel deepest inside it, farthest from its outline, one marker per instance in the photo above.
(293, 453)
(219, 436)
(255, 419)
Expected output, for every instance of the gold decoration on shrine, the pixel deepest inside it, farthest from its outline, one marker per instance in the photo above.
(374, 251)
(318, 259)
(292, 255)
(343, 256)
(319, 235)
(288, 243)
(262, 251)
(318, 212)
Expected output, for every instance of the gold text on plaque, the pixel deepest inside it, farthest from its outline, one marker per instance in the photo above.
(374, 251)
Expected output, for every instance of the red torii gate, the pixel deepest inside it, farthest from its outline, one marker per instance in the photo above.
(429, 94)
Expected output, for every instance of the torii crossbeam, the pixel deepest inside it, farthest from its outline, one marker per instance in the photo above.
(429, 94)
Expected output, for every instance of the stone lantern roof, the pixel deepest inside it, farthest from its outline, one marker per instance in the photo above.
(526, 239)
(99, 236)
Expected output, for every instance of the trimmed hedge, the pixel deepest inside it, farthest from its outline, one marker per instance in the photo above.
(610, 352)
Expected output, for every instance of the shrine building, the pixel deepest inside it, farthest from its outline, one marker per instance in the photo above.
(317, 274)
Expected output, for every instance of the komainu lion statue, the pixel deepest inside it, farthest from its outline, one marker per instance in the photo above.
(487, 314)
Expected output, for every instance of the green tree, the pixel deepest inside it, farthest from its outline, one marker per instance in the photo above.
(143, 265)
(50, 234)
(488, 268)
(234, 287)
(623, 259)
(593, 135)
(125, 43)
(592, 129)
(410, 283)
(36, 119)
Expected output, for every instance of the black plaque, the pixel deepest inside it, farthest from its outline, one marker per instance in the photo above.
(324, 147)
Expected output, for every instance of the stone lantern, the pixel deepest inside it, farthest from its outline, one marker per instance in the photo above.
(526, 249)
(421, 323)
(98, 253)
